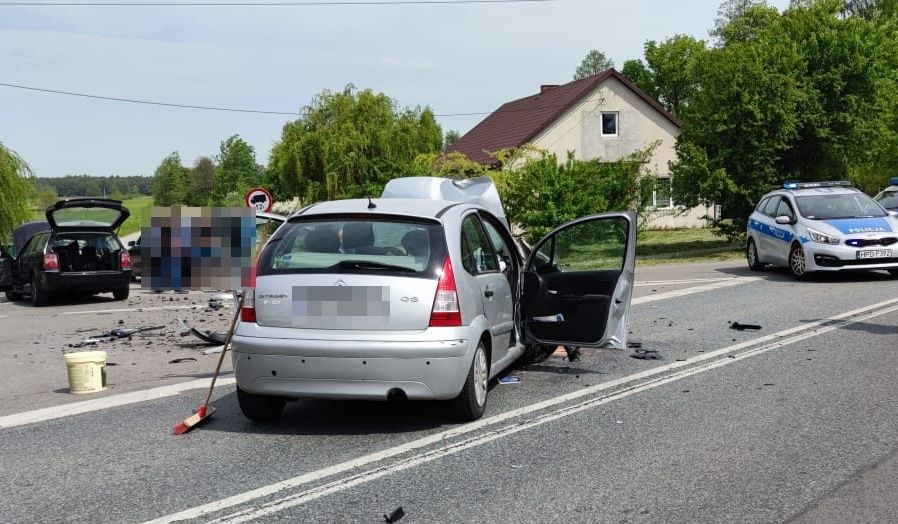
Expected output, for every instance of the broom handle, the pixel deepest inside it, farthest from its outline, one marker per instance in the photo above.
(225, 348)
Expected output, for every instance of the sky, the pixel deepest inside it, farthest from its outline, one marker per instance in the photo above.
(463, 58)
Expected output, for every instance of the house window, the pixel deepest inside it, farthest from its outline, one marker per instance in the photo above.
(659, 197)
(609, 123)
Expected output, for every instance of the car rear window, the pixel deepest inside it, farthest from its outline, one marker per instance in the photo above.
(825, 207)
(366, 244)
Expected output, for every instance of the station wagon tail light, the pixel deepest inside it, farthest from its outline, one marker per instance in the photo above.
(248, 311)
(445, 312)
(51, 262)
(126, 260)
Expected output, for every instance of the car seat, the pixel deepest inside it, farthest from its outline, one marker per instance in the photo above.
(417, 244)
(358, 237)
(323, 240)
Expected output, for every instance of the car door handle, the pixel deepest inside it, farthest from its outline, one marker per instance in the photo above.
(488, 293)
(551, 292)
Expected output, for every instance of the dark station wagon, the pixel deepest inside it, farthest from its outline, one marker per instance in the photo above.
(78, 252)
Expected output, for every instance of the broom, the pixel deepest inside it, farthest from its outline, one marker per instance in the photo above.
(205, 410)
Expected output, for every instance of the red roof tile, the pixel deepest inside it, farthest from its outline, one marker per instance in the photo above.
(516, 123)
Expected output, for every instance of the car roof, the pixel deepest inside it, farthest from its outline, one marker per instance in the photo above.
(412, 207)
(815, 191)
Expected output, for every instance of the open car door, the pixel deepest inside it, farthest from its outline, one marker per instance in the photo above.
(577, 283)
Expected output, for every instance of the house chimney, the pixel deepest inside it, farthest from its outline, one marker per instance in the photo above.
(545, 87)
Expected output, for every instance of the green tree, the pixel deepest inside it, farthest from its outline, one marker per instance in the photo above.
(732, 10)
(237, 170)
(170, 182)
(46, 197)
(544, 193)
(593, 63)
(449, 165)
(637, 72)
(451, 137)
(16, 190)
(200, 182)
(349, 144)
(811, 95)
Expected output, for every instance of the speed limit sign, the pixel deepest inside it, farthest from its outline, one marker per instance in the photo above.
(259, 198)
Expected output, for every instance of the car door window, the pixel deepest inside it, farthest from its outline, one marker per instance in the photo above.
(591, 246)
(477, 252)
(784, 209)
(502, 247)
(37, 243)
(770, 208)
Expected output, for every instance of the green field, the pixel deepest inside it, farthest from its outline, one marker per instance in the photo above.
(670, 246)
(138, 206)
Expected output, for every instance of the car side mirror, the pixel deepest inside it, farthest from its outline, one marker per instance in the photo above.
(892, 213)
(784, 220)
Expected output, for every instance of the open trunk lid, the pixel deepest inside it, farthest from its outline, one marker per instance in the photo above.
(87, 214)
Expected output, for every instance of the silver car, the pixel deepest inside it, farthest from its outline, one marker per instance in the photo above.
(422, 298)
(821, 226)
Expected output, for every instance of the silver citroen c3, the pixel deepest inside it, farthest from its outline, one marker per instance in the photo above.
(422, 294)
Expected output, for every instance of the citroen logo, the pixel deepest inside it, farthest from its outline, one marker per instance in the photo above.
(340, 282)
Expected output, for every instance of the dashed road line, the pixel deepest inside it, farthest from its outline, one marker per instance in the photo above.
(692, 290)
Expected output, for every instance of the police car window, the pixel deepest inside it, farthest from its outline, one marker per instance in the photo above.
(846, 205)
(784, 209)
(762, 204)
(888, 199)
(770, 208)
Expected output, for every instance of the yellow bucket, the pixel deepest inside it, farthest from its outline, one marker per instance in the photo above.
(87, 371)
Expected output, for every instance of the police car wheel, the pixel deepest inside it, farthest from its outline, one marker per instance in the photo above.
(751, 254)
(797, 265)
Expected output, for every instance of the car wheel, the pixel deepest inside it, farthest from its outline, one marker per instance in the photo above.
(121, 294)
(751, 254)
(39, 296)
(260, 408)
(471, 402)
(797, 263)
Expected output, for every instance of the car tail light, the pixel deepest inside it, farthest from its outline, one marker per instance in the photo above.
(126, 260)
(445, 312)
(248, 311)
(51, 262)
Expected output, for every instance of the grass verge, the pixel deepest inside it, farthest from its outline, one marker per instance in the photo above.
(680, 246)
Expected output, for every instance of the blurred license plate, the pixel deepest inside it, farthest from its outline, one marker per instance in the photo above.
(875, 253)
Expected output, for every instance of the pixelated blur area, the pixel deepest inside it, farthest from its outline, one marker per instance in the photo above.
(355, 306)
(198, 248)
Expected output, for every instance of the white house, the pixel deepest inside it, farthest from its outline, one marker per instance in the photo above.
(600, 117)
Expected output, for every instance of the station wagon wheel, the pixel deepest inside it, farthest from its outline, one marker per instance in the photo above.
(471, 402)
(797, 263)
(122, 293)
(751, 254)
(39, 296)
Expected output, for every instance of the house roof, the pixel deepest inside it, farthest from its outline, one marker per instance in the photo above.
(517, 122)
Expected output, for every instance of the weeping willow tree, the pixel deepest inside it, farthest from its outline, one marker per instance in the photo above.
(348, 144)
(16, 191)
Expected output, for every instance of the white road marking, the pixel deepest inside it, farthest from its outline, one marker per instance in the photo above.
(646, 283)
(772, 341)
(123, 399)
(692, 290)
(125, 310)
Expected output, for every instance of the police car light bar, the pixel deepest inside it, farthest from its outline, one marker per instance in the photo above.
(811, 185)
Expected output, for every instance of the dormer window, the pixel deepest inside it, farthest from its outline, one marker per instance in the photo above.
(609, 123)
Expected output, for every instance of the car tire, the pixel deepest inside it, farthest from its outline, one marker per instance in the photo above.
(121, 294)
(260, 408)
(751, 255)
(797, 262)
(471, 402)
(534, 353)
(39, 296)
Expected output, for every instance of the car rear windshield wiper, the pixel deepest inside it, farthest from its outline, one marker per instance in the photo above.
(367, 264)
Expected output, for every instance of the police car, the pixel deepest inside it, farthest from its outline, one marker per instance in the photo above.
(888, 197)
(821, 226)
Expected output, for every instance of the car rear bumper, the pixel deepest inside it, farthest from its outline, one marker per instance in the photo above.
(94, 281)
(351, 369)
(844, 258)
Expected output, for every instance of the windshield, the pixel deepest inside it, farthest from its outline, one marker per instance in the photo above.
(888, 199)
(353, 245)
(851, 205)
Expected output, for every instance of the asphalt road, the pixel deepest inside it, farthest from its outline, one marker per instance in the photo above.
(794, 422)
